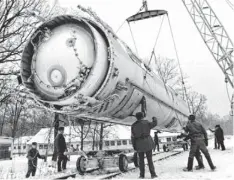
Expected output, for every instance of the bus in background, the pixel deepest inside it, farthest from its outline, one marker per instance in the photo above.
(5, 147)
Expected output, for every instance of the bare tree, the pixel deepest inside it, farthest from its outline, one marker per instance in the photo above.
(168, 71)
(16, 106)
(94, 128)
(17, 22)
(103, 132)
(4, 87)
(197, 103)
(3, 118)
(83, 128)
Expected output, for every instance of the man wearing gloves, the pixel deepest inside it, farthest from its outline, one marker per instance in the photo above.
(199, 140)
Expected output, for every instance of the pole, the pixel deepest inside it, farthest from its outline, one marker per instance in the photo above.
(56, 126)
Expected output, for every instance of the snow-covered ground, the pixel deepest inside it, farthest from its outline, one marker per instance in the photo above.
(170, 168)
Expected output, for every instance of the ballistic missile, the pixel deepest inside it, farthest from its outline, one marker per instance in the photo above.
(82, 67)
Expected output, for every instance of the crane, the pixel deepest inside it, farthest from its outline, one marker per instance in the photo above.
(212, 32)
(215, 37)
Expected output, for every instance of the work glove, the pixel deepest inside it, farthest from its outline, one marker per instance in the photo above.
(206, 142)
(179, 137)
(42, 157)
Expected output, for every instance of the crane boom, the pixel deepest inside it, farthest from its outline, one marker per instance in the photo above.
(214, 35)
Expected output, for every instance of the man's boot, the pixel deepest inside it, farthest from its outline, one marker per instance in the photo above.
(64, 164)
(190, 165)
(59, 166)
(208, 158)
(200, 163)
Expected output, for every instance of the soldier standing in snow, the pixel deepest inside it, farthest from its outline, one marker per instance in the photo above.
(156, 140)
(143, 143)
(199, 140)
(216, 144)
(198, 155)
(32, 156)
(61, 147)
(219, 136)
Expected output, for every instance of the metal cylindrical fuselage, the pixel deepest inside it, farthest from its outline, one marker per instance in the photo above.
(77, 64)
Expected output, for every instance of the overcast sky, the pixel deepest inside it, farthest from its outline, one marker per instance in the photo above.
(204, 74)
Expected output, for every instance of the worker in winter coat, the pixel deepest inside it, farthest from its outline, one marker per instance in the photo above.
(199, 140)
(143, 143)
(216, 143)
(219, 136)
(156, 140)
(61, 147)
(198, 155)
(32, 156)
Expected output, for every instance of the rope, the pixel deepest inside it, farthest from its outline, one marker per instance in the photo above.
(153, 50)
(133, 38)
(230, 4)
(120, 27)
(177, 56)
(142, 7)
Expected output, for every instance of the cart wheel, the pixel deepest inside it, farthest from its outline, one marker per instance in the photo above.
(165, 148)
(81, 165)
(136, 159)
(123, 163)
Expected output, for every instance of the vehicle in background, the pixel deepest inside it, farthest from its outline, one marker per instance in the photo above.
(6, 144)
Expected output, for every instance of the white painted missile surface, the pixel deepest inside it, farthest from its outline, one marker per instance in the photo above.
(79, 65)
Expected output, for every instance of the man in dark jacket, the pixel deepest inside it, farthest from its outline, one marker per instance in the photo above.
(219, 136)
(198, 155)
(32, 156)
(143, 143)
(61, 147)
(156, 140)
(199, 140)
(216, 143)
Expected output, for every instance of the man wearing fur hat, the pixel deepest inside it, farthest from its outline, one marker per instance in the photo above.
(61, 147)
(199, 140)
(143, 143)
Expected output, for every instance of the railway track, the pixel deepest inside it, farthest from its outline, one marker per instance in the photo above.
(73, 175)
(110, 175)
(132, 169)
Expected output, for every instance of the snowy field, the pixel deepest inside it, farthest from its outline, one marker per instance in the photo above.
(170, 168)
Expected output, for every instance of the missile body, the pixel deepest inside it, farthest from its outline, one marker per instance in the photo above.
(74, 63)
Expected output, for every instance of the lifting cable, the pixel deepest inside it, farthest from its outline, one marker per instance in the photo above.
(181, 73)
(142, 7)
(230, 4)
(133, 38)
(153, 50)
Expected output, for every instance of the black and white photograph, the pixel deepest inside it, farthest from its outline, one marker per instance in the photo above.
(116, 89)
